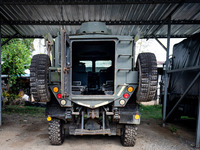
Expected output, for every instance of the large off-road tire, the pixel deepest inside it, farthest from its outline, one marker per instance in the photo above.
(56, 132)
(147, 69)
(39, 70)
(129, 133)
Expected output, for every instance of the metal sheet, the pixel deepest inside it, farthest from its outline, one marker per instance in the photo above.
(101, 12)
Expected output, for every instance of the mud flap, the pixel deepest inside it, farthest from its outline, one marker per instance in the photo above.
(128, 117)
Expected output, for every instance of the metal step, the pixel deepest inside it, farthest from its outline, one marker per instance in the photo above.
(124, 70)
(123, 55)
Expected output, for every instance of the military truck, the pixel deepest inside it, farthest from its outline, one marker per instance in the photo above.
(92, 85)
(185, 55)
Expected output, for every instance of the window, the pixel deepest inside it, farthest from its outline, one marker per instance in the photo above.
(102, 65)
(88, 65)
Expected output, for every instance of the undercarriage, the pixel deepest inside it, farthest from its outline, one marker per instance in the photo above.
(85, 121)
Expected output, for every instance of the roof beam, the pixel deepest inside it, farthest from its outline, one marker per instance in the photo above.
(3, 19)
(10, 38)
(161, 44)
(165, 36)
(90, 2)
(144, 37)
(142, 22)
(168, 17)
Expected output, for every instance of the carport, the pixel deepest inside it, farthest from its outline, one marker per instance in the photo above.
(146, 18)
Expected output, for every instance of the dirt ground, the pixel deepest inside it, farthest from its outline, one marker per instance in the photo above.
(30, 133)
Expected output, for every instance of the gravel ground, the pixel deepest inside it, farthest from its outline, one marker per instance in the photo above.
(30, 133)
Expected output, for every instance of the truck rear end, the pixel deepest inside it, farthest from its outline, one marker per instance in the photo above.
(92, 84)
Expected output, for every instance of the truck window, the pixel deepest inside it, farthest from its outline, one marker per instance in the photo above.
(101, 65)
(88, 65)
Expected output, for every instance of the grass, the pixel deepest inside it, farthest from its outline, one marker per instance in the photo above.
(147, 112)
(24, 110)
(186, 117)
(151, 112)
(173, 129)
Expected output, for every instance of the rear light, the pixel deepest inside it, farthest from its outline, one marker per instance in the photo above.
(126, 95)
(59, 96)
(63, 102)
(49, 118)
(55, 89)
(137, 117)
(130, 89)
(122, 102)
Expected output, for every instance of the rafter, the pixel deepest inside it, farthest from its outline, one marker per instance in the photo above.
(90, 2)
(142, 22)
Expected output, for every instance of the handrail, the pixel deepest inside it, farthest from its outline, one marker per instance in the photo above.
(184, 69)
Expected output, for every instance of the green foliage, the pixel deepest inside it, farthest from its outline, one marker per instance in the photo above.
(24, 110)
(173, 129)
(9, 97)
(186, 117)
(148, 112)
(15, 55)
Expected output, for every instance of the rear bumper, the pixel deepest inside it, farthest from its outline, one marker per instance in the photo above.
(90, 132)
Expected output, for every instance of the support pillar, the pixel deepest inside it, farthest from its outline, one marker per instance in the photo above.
(0, 83)
(183, 95)
(166, 69)
(198, 124)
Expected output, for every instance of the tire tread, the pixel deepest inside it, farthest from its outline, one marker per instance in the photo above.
(39, 77)
(147, 67)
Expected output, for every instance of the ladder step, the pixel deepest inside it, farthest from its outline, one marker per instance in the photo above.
(124, 69)
(124, 55)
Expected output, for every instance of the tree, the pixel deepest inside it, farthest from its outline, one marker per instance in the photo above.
(16, 54)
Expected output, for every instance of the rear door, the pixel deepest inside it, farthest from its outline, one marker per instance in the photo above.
(65, 64)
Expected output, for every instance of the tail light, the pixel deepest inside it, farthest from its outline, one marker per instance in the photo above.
(59, 96)
(126, 95)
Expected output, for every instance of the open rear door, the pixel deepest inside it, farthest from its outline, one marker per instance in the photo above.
(65, 64)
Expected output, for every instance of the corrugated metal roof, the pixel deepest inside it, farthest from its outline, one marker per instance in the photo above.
(83, 13)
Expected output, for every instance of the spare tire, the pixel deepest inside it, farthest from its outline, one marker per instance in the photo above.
(39, 71)
(147, 68)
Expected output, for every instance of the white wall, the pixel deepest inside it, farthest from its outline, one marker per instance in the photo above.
(153, 46)
(39, 47)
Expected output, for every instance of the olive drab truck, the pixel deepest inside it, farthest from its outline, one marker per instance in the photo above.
(91, 84)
